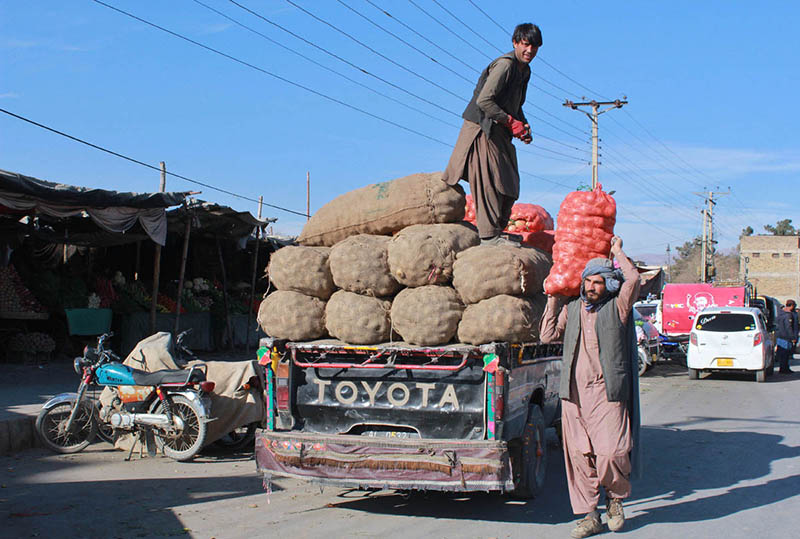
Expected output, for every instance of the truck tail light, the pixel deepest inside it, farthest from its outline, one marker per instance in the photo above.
(282, 386)
(693, 338)
(499, 401)
(757, 339)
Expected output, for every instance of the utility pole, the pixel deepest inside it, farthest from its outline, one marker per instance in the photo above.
(707, 269)
(669, 263)
(308, 195)
(616, 104)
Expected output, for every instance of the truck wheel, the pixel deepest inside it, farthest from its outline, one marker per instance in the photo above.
(642, 355)
(530, 468)
(761, 376)
(694, 374)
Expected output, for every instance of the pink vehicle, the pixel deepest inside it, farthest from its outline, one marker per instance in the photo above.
(681, 303)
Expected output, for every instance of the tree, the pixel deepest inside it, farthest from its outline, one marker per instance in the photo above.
(747, 231)
(782, 228)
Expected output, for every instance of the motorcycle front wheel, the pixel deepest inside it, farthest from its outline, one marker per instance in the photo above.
(187, 443)
(51, 427)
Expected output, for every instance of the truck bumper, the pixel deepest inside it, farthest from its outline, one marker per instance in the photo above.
(385, 463)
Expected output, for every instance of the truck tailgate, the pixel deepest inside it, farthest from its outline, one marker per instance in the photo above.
(375, 462)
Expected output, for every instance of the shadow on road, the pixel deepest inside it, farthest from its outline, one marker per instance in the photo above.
(127, 506)
(683, 462)
(679, 463)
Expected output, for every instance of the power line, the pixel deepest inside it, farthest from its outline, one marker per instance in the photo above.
(668, 148)
(401, 66)
(320, 64)
(266, 72)
(400, 39)
(450, 30)
(142, 163)
(468, 27)
(341, 59)
(411, 29)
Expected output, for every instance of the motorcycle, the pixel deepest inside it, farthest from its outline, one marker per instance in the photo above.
(167, 410)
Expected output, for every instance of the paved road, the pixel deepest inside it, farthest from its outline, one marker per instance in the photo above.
(722, 457)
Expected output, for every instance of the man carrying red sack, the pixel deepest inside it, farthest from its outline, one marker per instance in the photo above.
(484, 154)
(599, 387)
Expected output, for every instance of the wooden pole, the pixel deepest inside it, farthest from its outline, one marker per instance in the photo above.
(157, 260)
(308, 195)
(253, 281)
(137, 262)
(225, 294)
(182, 274)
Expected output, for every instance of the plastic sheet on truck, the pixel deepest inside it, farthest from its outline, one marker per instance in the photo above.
(385, 463)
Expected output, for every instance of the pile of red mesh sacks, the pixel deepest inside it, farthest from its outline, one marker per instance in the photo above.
(530, 221)
(585, 227)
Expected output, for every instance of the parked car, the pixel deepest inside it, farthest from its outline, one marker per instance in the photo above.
(730, 339)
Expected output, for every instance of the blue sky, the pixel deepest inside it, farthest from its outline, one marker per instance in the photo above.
(710, 87)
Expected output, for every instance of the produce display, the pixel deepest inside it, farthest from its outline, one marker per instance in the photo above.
(586, 222)
(15, 296)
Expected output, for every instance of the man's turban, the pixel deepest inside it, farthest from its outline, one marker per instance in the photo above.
(605, 268)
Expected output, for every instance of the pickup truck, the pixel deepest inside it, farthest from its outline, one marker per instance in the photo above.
(394, 416)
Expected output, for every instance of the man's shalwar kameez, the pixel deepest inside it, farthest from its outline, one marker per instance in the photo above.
(596, 431)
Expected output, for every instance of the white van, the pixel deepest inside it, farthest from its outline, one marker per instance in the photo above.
(730, 339)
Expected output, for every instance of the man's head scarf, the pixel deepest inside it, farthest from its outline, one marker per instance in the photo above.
(605, 268)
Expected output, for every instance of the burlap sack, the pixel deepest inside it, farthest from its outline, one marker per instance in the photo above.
(358, 319)
(385, 208)
(291, 315)
(360, 264)
(486, 271)
(422, 255)
(502, 318)
(427, 315)
(302, 269)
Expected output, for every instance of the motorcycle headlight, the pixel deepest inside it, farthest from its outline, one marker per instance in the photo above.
(78, 365)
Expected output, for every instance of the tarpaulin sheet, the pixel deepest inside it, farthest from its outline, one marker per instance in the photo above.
(110, 210)
(374, 462)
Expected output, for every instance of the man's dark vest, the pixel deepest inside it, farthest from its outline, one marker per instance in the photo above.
(614, 339)
(473, 112)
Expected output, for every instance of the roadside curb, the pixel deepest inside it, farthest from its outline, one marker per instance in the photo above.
(17, 434)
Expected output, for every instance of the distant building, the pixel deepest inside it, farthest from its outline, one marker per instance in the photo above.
(772, 264)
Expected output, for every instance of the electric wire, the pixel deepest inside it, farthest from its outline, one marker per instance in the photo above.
(468, 27)
(443, 25)
(401, 40)
(271, 74)
(401, 66)
(703, 174)
(341, 59)
(411, 29)
(321, 65)
(142, 163)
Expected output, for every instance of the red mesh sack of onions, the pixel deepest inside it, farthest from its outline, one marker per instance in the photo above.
(585, 227)
(543, 240)
(524, 217)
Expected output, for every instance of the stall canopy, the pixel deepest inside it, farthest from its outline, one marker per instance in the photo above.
(112, 211)
(214, 220)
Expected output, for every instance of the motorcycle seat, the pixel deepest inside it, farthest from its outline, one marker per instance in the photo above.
(167, 376)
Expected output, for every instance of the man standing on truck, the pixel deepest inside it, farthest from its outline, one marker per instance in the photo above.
(784, 336)
(484, 154)
(599, 387)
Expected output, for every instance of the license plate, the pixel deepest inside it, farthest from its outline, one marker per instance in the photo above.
(724, 362)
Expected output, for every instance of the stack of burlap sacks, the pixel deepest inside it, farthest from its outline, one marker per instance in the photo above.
(395, 262)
